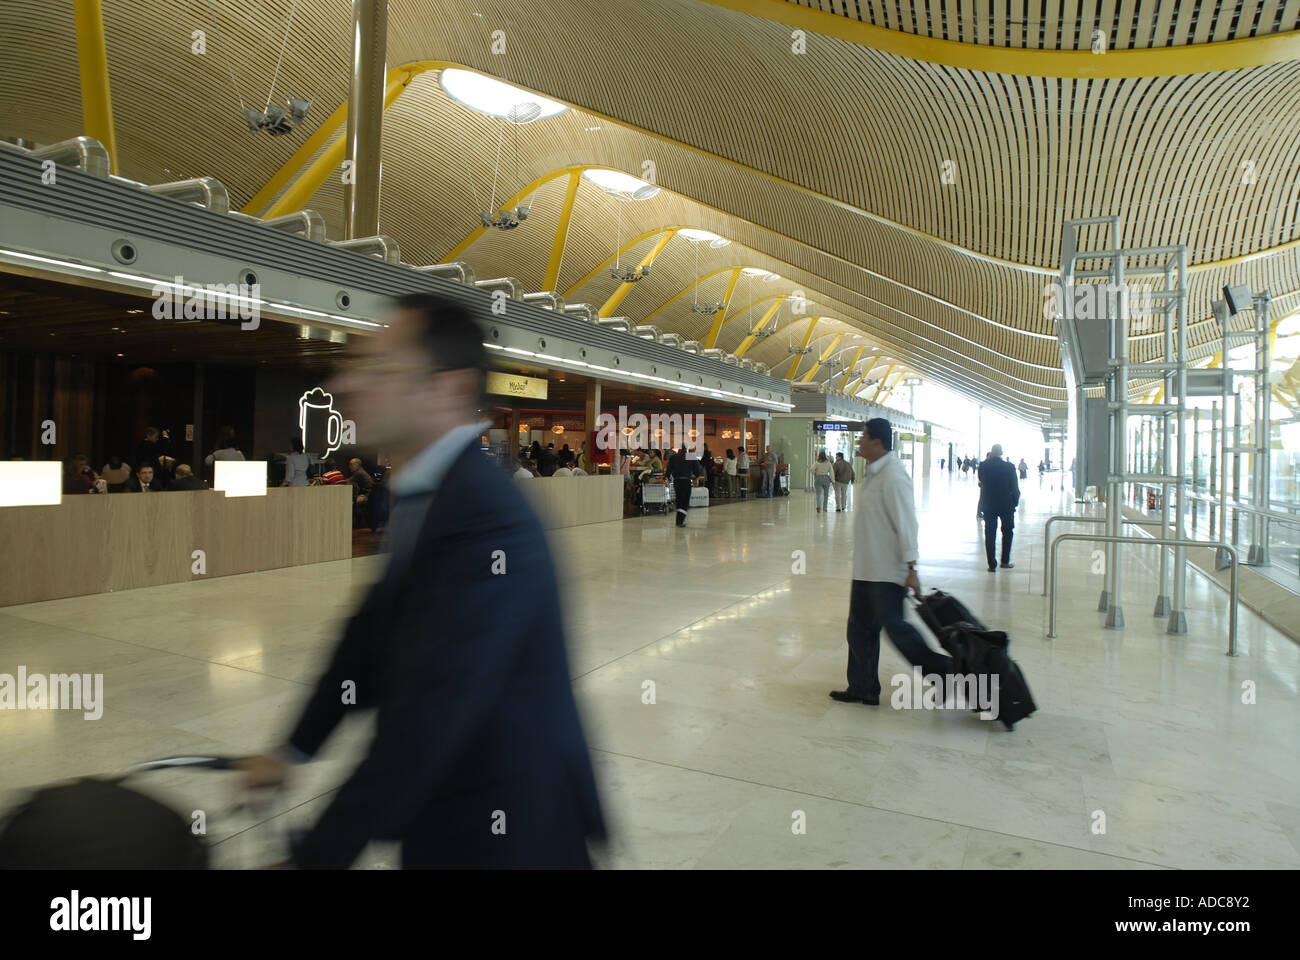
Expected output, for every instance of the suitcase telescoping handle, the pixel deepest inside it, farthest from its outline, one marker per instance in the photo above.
(201, 763)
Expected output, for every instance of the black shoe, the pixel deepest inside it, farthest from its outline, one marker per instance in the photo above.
(993, 568)
(843, 696)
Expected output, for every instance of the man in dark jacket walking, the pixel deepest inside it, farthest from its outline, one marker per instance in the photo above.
(686, 472)
(999, 496)
(478, 758)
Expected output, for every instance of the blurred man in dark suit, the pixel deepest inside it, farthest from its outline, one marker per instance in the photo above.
(478, 759)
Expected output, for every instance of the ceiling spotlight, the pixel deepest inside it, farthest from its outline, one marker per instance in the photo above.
(708, 309)
(800, 351)
(277, 120)
(506, 219)
(630, 276)
(762, 333)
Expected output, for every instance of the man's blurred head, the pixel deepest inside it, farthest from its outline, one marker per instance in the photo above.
(354, 464)
(419, 377)
(145, 474)
(996, 452)
(183, 470)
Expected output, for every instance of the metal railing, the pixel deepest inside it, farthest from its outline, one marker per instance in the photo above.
(1215, 503)
(1104, 538)
(1066, 517)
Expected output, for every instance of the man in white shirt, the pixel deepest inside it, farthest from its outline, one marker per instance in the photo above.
(884, 567)
(563, 472)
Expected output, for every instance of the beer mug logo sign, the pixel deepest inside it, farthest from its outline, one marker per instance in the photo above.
(320, 424)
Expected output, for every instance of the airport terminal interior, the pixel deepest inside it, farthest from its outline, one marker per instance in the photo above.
(750, 279)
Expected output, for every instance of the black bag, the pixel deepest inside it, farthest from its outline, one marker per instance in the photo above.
(976, 649)
(95, 824)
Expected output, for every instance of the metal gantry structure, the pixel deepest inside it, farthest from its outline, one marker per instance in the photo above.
(1107, 264)
(1231, 443)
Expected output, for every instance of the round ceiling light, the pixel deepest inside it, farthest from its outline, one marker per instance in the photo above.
(495, 98)
(621, 184)
(755, 272)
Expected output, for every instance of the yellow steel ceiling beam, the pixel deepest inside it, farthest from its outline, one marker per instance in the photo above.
(794, 363)
(1240, 54)
(862, 376)
(616, 298)
(856, 357)
(721, 317)
(681, 293)
(888, 371)
(635, 241)
(561, 233)
(807, 377)
(92, 56)
(749, 340)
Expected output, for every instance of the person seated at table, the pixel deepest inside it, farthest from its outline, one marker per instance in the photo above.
(330, 473)
(185, 479)
(143, 481)
(522, 470)
(563, 471)
(360, 480)
(229, 450)
(78, 477)
(579, 472)
(115, 474)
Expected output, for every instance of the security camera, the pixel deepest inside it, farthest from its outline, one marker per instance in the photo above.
(522, 212)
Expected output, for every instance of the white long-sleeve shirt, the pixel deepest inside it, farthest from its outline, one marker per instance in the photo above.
(884, 527)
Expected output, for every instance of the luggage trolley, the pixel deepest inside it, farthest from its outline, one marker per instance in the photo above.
(655, 494)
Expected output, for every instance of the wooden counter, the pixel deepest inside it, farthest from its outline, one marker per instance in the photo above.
(94, 543)
(572, 501)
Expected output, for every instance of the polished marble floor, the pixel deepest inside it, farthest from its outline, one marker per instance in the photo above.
(1147, 751)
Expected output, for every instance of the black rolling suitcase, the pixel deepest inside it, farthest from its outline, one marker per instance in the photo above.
(976, 649)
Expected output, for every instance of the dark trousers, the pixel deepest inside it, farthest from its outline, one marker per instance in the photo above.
(874, 605)
(991, 517)
(682, 493)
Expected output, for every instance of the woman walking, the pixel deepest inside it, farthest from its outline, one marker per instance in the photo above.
(822, 478)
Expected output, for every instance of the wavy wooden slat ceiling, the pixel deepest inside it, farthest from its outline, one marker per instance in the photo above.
(826, 167)
(1131, 24)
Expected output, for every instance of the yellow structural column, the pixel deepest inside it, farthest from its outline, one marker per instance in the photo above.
(331, 159)
(749, 340)
(856, 357)
(874, 360)
(807, 377)
(561, 233)
(888, 371)
(608, 260)
(721, 318)
(794, 364)
(616, 298)
(92, 54)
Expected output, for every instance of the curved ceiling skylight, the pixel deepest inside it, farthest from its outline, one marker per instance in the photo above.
(755, 272)
(621, 184)
(698, 236)
(495, 98)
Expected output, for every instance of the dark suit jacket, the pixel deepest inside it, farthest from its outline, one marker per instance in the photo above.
(133, 485)
(999, 486)
(468, 673)
(188, 483)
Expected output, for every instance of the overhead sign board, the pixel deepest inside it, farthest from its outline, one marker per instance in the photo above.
(838, 426)
(516, 385)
